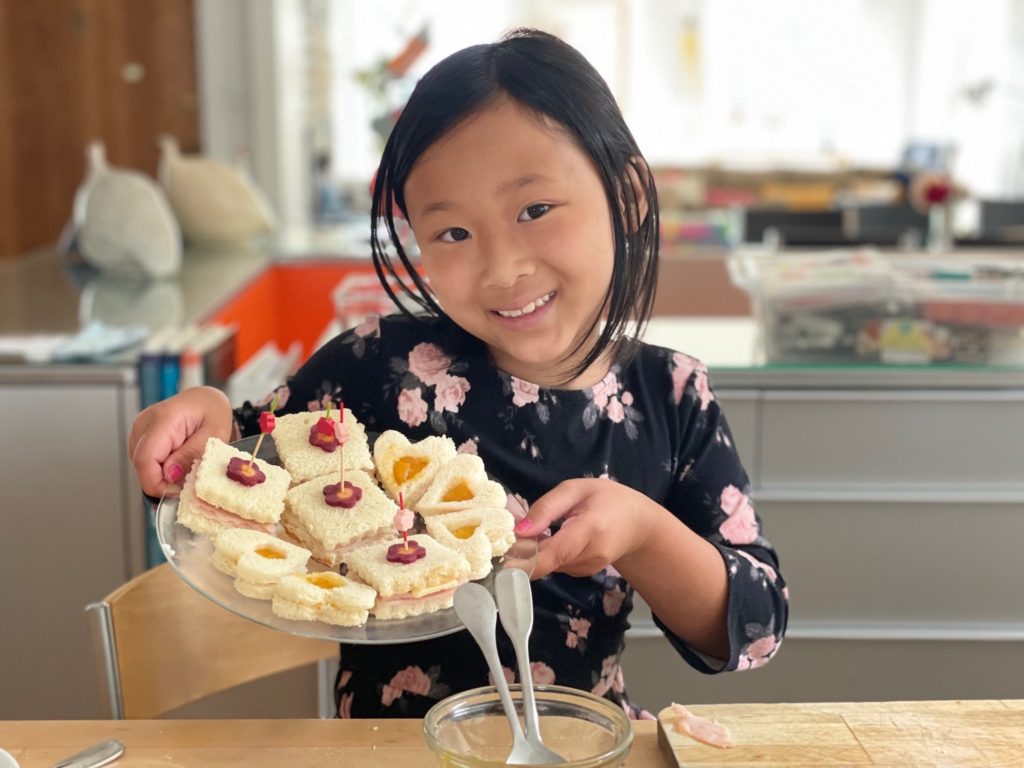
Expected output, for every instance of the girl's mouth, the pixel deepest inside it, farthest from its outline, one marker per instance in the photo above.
(529, 309)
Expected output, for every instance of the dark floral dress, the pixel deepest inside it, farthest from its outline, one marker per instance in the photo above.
(652, 424)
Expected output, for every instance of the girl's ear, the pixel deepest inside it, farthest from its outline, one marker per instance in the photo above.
(638, 175)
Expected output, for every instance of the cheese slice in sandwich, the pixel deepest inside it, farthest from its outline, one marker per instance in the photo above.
(305, 461)
(479, 534)
(408, 468)
(460, 483)
(323, 596)
(330, 532)
(257, 560)
(412, 588)
(211, 501)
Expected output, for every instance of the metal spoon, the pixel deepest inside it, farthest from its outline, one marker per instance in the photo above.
(475, 608)
(515, 608)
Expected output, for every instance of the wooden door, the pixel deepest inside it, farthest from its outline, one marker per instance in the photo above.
(71, 71)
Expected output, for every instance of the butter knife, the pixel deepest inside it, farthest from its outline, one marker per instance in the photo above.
(103, 753)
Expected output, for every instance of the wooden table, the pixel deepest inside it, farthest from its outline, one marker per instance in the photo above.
(954, 733)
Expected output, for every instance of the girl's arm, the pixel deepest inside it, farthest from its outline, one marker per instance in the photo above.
(680, 575)
(698, 557)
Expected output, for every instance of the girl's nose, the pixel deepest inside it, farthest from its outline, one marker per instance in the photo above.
(506, 262)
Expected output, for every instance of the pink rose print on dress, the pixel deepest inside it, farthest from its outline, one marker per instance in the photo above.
(763, 567)
(321, 404)
(757, 653)
(369, 327)
(683, 367)
(428, 363)
(615, 412)
(740, 527)
(618, 682)
(609, 667)
(450, 393)
(541, 673)
(469, 447)
(604, 389)
(412, 408)
(508, 674)
(580, 626)
(411, 679)
(612, 601)
(578, 629)
(524, 393)
(282, 394)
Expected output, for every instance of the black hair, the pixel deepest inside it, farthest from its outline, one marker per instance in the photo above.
(552, 80)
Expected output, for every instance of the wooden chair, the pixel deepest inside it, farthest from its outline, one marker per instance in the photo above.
(160, 645)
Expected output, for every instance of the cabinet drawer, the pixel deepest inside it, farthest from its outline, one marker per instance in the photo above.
(903, 564)
(953, 439)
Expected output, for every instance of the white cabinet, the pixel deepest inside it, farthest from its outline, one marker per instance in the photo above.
(898, 515)
(72, 529)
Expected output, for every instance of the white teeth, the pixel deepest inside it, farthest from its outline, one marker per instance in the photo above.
(529, 309)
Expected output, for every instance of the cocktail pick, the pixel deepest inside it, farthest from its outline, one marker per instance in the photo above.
(267, 423)
(341, 435)
(403, 521)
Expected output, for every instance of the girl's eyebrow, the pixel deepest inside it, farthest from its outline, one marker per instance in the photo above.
(503, 189)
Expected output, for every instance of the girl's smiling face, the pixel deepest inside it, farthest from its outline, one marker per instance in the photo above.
(512, 222)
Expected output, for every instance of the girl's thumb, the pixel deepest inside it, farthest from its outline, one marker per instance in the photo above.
(179, 463)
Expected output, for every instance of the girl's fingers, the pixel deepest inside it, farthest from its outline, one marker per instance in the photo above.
(562, 552)
(553, 505)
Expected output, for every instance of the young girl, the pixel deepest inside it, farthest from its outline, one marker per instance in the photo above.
(536, 220)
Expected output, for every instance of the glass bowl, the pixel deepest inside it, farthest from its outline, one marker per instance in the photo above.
(469, 729)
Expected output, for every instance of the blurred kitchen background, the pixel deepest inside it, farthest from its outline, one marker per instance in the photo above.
(184, 197)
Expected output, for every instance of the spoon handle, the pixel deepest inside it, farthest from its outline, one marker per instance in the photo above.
(479, 614)
(526, 682)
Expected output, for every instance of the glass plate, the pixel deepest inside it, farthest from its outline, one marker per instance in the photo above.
(189, 554)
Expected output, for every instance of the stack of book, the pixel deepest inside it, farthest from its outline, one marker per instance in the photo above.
(177, 358)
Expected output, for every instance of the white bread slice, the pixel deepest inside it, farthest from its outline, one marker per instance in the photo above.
(401, 586)
(479, 534)
(263, 502)
(392, 447)
(304, 461)
(230, 545)
(462, 476)
(324, 596)
(196, 515)
(403, 609)
(258, 561)
(326, 530)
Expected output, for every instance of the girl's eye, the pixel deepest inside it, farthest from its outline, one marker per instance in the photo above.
(534, 211)
(454, 235)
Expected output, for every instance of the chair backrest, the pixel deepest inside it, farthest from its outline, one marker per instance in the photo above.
(160, 645)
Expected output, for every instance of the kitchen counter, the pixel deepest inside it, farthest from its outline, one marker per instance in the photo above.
(697, 310)
(906, 734)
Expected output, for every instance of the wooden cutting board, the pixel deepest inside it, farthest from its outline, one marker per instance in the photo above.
(906, 734)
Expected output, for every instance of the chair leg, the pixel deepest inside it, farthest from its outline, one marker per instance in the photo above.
(105, 649)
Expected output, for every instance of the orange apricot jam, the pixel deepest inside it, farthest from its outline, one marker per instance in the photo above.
(270, 553)
(459, 492)
(325, 580)
(464, 532)
(407, 467)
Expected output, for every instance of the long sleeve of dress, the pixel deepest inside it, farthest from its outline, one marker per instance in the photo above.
(711, 495)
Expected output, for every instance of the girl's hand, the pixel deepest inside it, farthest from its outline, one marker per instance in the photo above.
(602, 521)
(167, 437)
